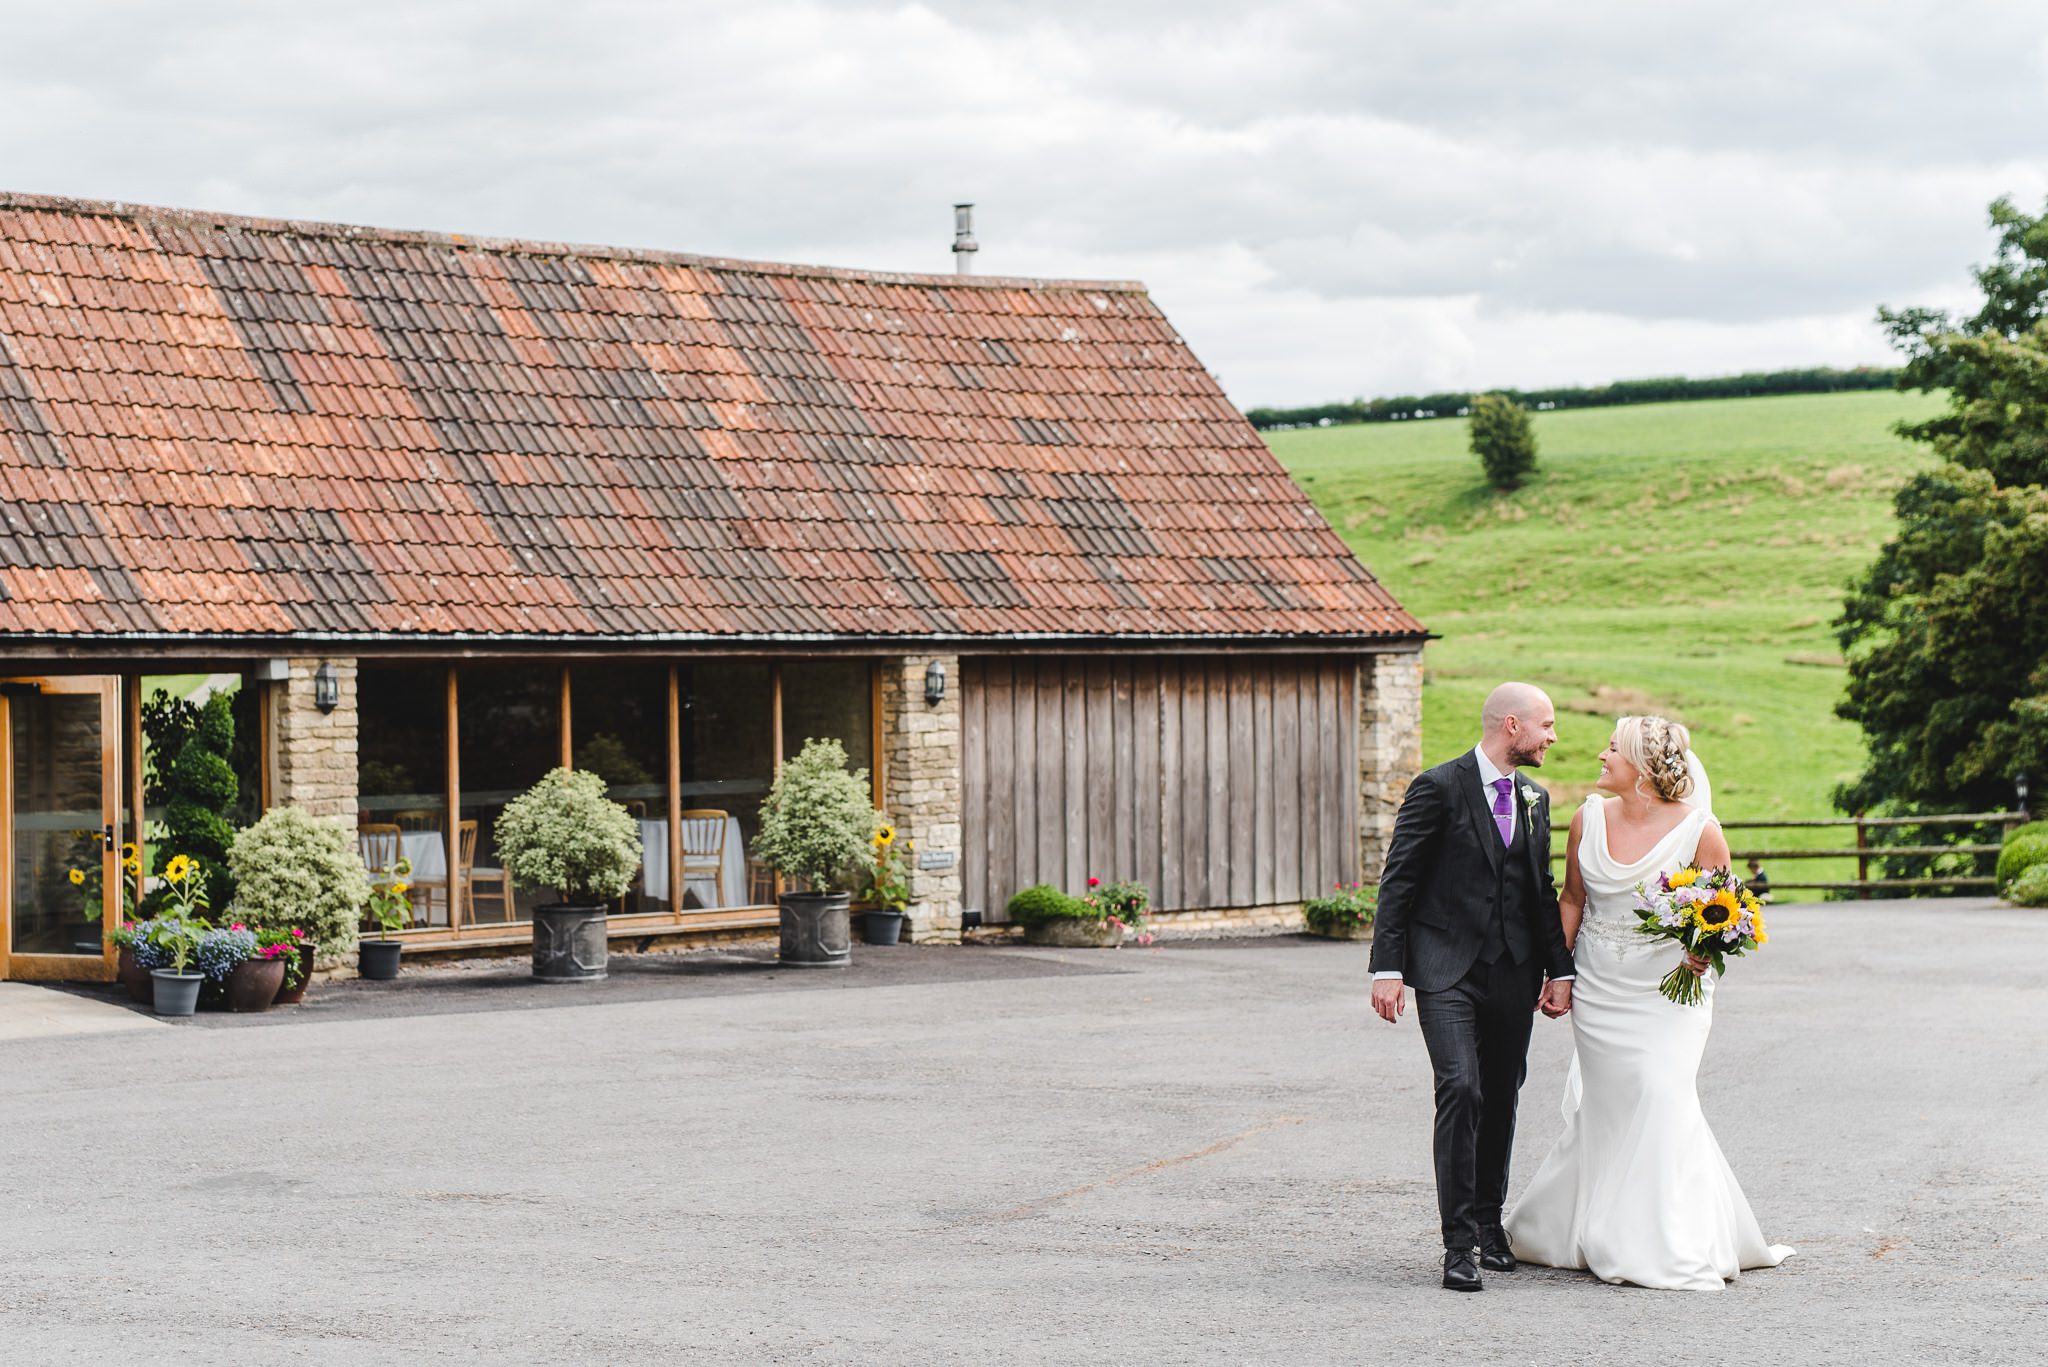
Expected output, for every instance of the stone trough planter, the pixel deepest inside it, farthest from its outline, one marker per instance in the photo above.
(1342, 932)
(1074, 933)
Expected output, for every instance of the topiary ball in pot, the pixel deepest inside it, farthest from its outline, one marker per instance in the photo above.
(816, 826)
(295, 869)
(564, 833)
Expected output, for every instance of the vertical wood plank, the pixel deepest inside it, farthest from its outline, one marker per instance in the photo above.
(1000, 739)
(1101, 772)
(975, 877)
(1023, 869)
(1145, 772)
(132, 729)
(1263, 853)
(1348, 684)
(1286, 767)
(1194, 782)
(1123, 809)
(568, 736)
(1240, 849)
(1216, 752)
(1052, 776)
(1074, 776)
(1308, 837)
(1331, 807)
(1172, 894)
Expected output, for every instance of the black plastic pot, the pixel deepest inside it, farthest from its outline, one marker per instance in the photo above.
(175, 993)
(815, 930)
(881, 927)
(377, 960)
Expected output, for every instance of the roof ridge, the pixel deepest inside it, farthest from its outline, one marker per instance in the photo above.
(112, 208)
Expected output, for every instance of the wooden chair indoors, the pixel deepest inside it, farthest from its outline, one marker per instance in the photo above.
(379, 844)
(704, 849)
(760, 884)
(488, 885)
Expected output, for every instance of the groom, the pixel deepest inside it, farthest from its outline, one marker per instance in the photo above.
(1468, 918)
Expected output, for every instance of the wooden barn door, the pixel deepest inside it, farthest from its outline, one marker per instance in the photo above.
(59, 790)
(1218, 782)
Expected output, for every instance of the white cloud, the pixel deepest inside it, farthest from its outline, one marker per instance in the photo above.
(1329, 199)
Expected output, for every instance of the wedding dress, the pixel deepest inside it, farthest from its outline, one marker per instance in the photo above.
(1636, 1190)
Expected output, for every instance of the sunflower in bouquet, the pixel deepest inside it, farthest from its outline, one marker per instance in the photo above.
(1708, 913)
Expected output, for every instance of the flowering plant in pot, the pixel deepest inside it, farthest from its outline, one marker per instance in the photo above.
(565, 834)
(295, 948)
(238, 976)
(389, 909)
(1098, 921)
(174, 938)
(1344, 913)
(817, 826)
(887, 889)
(130, 970)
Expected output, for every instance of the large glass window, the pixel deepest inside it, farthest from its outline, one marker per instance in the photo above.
(728, 744)
(511, 735)
(829, 700)
(618, 722)
(402, 779)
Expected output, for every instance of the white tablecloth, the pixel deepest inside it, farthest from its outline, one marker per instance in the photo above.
(429, 855)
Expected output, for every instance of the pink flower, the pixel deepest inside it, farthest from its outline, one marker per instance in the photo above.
(1095, 882)
(238, 926)
(298, 934)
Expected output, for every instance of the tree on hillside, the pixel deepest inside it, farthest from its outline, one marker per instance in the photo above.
(1503, 440)
(1947, 633)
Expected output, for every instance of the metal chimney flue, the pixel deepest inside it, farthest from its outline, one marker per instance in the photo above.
(964, 245)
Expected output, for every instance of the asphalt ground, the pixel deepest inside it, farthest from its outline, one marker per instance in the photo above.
(1204, 1152)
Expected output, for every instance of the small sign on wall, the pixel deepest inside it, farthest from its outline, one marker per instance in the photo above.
(935, 859)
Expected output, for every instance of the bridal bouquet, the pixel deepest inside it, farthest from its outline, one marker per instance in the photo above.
(1709, 914)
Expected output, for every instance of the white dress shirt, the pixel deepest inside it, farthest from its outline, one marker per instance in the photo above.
(1488, 776)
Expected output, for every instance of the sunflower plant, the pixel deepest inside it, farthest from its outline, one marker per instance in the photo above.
(888, 881)
(1708, 913)
(185, 888)
(86, 873)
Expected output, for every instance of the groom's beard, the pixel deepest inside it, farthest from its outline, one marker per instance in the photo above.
(1529, 757)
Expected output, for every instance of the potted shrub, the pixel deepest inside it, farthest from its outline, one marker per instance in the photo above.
(1051, 917)
(129, 969)
(1125, 904)
(389, 909)
(293, 870)
(887, 891)
(1345, 913)
(565, 834)
(295, 948)
(238, 976)
(816, 827)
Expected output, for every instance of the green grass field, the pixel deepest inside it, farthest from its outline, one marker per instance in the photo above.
(1683, 558)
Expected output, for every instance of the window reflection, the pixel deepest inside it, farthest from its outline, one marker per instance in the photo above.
(402, 779)
(618, 721)
(728, 743)
(511, 736)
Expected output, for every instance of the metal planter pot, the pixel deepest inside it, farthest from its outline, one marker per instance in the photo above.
(174, 993)
(377, 960)
(569, 944)
(816, 931)
(881, 927)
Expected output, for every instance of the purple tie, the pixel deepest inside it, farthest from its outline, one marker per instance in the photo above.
(1504, 810)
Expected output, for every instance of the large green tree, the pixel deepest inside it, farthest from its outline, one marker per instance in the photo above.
(1947, 633)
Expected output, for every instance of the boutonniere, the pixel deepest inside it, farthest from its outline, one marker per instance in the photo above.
(1532, 798)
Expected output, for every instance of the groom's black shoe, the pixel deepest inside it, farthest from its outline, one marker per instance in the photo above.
(1459, 1273)
(1494, 1253)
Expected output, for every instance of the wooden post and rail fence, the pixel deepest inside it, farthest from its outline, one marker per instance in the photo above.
(1863, 851)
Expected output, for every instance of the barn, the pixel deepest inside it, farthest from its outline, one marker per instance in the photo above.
(438, 513)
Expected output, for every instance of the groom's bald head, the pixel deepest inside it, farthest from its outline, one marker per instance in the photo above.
(1518, 721)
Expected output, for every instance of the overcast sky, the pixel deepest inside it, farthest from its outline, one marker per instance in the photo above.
(1328, 199)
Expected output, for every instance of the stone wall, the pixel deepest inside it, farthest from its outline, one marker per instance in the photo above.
(1389, 749)
(922, 789)
(316, 751)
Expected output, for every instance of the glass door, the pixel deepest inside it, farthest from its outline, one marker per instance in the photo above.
(59, 794)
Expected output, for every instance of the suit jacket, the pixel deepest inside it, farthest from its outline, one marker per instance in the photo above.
(1436, 896)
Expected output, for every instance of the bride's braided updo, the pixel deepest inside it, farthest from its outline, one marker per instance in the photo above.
(1656, 746)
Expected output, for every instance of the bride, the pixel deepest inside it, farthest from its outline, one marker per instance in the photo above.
(1637, 1190)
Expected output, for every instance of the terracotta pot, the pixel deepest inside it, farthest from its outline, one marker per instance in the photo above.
(292, 996)
(252, 985)
(134, 977)
(1070, 933)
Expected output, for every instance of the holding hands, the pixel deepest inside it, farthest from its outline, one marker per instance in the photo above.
(1556, 998)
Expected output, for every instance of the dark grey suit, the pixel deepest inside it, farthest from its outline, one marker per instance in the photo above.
(1473, 927)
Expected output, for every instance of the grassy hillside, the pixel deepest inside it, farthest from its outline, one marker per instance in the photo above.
(1684, 558)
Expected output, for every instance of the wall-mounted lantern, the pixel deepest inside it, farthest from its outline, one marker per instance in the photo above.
(326, 688)
(934, 682)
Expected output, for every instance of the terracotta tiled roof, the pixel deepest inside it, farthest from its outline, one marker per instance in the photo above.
(224, 427)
